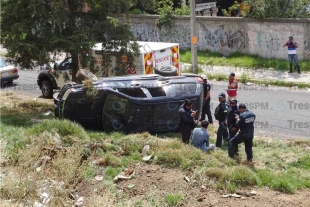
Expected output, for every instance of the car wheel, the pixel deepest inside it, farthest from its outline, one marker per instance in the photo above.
(169, 70)
(47, 89)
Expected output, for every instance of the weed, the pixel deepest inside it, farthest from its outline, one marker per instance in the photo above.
(303, 163)
(91, 90)
(68, 131)
(91, 172)
(173, 199)
(244, 78)
(151, 200)
(171, 158)
(111, 172)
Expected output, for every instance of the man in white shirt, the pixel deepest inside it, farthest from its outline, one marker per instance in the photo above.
(292, 54)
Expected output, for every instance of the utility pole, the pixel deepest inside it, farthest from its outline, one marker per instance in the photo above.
(193, 37)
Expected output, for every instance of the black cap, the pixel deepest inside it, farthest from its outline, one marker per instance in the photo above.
(221, 95)
(232, 74)
(242, 106)
(290, 37)
(233, 101)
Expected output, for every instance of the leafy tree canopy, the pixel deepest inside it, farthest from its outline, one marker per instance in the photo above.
(278, 8)
(35, 29)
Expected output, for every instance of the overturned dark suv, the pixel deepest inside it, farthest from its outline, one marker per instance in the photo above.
(130, 103)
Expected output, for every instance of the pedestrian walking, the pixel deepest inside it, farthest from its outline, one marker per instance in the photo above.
(245, 124)
(187, 121)
(206, 101)
(292, 54)
(220, 114)
(232, 87)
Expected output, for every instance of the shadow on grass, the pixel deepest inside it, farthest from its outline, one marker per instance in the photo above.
(22, 119)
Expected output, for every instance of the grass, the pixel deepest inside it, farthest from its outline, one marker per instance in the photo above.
(74, 153)
(240, 60)
(173, 199)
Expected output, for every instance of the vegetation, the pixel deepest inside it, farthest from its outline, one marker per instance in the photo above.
(278, 8)
(38, 30)
(167, 12)
(70, 156)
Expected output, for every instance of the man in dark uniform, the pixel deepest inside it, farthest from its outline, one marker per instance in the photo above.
(220, 115)
(245, 124)
(231, 121)
(206, 100)
(187, 120)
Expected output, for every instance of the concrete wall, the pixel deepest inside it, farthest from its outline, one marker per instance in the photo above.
(226, 35)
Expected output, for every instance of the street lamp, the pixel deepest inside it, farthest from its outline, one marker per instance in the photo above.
(193, 37)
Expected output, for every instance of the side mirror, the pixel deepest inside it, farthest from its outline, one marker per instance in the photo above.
(55, 66)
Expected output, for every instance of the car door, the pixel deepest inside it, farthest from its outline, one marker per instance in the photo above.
(63, 72)
(114, 113)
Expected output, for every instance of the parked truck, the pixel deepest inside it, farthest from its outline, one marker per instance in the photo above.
(154, 58)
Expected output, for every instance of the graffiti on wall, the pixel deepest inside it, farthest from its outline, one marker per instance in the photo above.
(266, 41)
(307, 43)
(179, 33)
(262, 38)
(223, 40)
(145, 32)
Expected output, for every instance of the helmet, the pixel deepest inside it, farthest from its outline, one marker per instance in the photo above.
(204, 77)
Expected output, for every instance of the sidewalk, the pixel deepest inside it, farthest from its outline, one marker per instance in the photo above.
(258, 74)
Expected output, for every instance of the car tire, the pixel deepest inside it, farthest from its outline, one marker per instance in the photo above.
(47, 89)
(168, 70)
(85, 75)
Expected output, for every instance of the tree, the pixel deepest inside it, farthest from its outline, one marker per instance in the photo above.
(33, 30)
(278, 8)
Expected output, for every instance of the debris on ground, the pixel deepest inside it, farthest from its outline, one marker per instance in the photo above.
(99, 178)
(187, 179)
(47, 113)
(125, 175)
(239, 193)
(145, 151)
(79, 202)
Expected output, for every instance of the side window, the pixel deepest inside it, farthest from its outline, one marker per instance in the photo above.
(134, 92)
(115, 105)
(183, 89)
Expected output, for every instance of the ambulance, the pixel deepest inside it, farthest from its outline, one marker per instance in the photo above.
(154, 58)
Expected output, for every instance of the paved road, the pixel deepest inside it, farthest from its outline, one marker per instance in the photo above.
(25, 84)
(281, 112)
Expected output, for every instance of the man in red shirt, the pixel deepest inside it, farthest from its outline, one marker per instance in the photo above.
(232, 87)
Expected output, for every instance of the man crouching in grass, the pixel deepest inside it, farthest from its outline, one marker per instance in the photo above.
(200, 137)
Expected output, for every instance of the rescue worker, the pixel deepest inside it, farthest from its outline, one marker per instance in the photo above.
(232, 112)
(220, 115)
(206, 100)
(232, 87)
(245, 124)
(187, 121)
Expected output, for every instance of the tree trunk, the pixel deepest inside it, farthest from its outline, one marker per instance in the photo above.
(75, 66)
